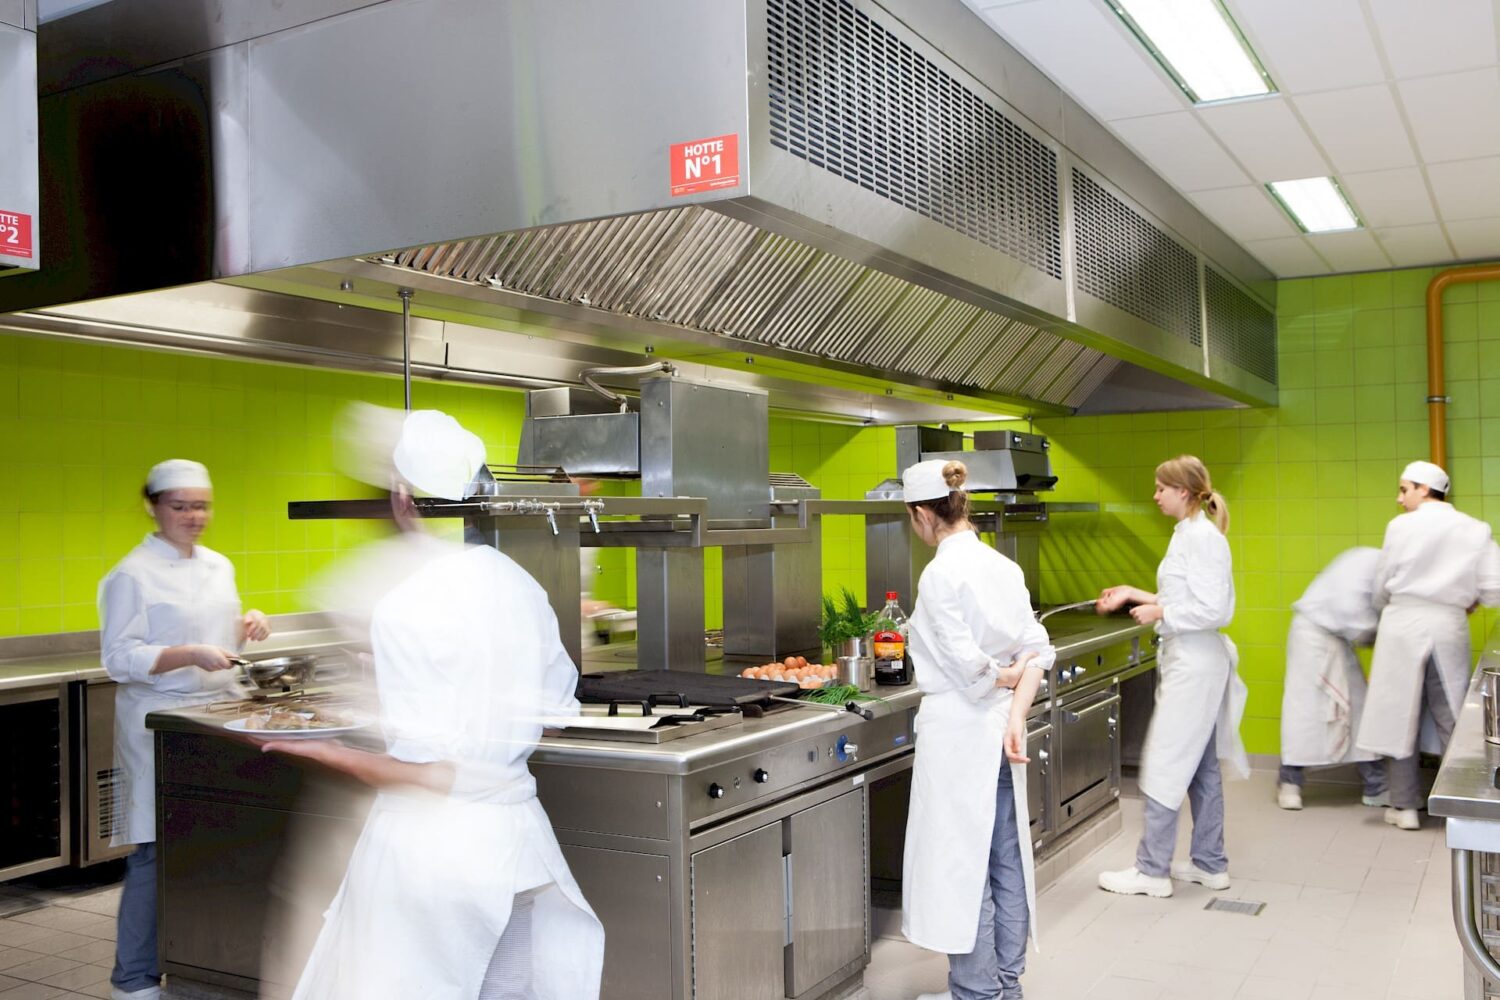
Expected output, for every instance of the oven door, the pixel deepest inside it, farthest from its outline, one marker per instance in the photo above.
(1088, 754)
(1039, 779)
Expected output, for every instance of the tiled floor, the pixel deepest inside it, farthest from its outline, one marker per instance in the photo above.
(1355, 910)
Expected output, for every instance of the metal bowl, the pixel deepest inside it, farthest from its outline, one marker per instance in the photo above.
(279, 671)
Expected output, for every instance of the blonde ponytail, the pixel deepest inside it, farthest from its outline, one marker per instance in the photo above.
(1187, 472)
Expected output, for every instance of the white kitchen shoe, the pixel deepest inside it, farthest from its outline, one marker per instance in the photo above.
(1383, 799)
(1134, 882)
(1403, 819)
(1192, 873)
(1288, 795)
(148, 993)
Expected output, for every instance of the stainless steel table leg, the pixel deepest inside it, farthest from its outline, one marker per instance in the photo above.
(1465, 917)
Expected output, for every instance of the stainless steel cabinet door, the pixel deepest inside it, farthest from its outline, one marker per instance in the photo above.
(630, 895)
(829, 878)
(739, 918)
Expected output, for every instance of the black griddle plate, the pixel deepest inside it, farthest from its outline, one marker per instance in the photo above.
(700, 689)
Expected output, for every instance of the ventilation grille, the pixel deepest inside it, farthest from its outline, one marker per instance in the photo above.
(849, 96)
(106, 791)
(1240, 330)
(698, 269)
(1125, 260)
(1244, 907)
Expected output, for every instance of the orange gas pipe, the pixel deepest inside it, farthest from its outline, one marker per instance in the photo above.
(1437, 402)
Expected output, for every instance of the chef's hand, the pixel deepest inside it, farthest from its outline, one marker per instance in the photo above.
(255, 626)
(1015, 741)
(1009, 675)
(210, 657)
(1112, 599)
(322, 751)
(1145, 614)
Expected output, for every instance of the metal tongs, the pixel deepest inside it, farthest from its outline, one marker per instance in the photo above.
(850, 706)
(1075, 606)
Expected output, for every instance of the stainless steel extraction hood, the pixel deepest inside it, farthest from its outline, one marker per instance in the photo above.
(881, 195)
(20, 186)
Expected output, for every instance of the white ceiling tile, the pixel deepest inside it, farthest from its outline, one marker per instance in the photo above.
(1476, 239)
(1424, 38)
(1360, 129)
(1454, 115)
(1267, 138)
(1078, 45)
(1390, 197)
(1354, 251)
(1288, 258)
(1310, 44)
(1414, 246)
(1245, 213)
(1469, 189)
(1181, 150)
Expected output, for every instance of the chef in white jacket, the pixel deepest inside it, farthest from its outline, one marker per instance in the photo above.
(979, 654)
(457, 888)
(170, 619)
(1200, 698)
(1324, 690)
(1435, 566)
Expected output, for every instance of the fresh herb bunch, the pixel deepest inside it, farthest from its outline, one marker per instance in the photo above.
(839, 695)
(844, 619)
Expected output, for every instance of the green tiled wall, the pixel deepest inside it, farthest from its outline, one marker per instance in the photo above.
(1304, 481)
(83, 423)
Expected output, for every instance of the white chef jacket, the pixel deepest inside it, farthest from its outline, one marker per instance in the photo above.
(1199, 694)
(468, 662)
(1439, 555)
(973, 616)
(156, 598)
(1341, 599)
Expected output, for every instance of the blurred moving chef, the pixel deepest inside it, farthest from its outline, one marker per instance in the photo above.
(1200, 699)
(980, 655)
(1435, 566)
(1324, 691)
(457, 887)
(169, 622)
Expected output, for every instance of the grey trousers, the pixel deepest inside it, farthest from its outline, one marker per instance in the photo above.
(135, 926)
(993, 969)
(1371, 775)
(509, 974)
(1405, 773)
(1206, 796)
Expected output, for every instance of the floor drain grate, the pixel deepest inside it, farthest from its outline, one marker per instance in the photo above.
(1245, 907)
(13, 904)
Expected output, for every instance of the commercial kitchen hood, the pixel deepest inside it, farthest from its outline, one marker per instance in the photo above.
(879, 195)
(20, 186)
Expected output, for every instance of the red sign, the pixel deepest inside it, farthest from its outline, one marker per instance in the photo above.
(15, 234)
(706, 164)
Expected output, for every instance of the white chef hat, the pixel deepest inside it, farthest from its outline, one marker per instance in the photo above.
(177, 474)
(1426, 474)
(925, 481)
(436, 455)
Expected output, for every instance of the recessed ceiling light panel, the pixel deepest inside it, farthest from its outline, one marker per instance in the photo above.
(1200, 47)
(1316, 204)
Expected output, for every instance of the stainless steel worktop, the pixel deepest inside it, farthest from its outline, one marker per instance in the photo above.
(1466, 783)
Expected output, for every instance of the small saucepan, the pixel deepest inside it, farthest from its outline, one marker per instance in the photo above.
(277, 671)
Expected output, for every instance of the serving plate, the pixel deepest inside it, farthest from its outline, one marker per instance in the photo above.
(243, 726)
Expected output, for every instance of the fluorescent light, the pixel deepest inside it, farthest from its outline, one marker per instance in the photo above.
(1316, 204)
(1199, 46)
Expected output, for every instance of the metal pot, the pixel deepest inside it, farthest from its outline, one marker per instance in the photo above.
(857, 670)
(862, 646)
(278, 671)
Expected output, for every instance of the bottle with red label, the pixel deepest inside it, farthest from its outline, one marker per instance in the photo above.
(892, 660)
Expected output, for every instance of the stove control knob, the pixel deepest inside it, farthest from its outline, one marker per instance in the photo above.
(1080, 670)
(1065, 675)
(761, 776)
(845, 750)
(716, 791)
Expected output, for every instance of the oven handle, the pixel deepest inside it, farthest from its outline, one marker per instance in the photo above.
(1041, 730)
(1098, 706)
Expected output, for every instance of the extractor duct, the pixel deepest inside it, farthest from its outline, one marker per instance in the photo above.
(879, 193)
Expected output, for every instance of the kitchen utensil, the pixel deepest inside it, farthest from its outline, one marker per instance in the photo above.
(1489, 688)
(277, 671)
(1075, 606)
(857, 670)
(853, 706)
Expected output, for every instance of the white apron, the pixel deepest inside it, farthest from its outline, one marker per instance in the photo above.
(428, 894)
(1413, 631)
(951, 821)
(1197, 689)
(1322, 700)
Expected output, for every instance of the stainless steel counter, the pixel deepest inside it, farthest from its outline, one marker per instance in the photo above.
(1466, 783)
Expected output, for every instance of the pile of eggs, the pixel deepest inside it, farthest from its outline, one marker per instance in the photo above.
(793, 669)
